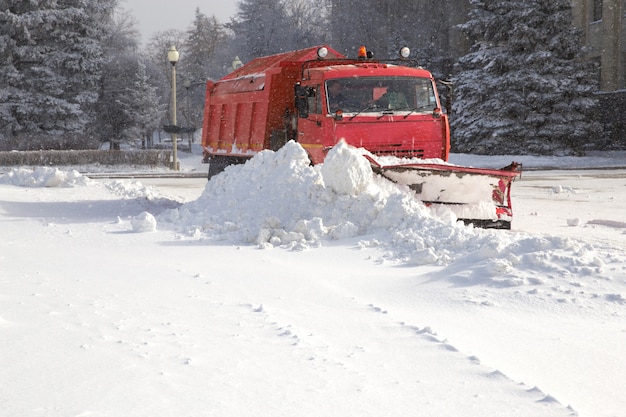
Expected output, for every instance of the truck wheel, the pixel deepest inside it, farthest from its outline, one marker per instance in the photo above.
(278, 139)
(217, 164)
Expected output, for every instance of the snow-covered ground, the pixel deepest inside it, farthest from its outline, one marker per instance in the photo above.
(279, 289)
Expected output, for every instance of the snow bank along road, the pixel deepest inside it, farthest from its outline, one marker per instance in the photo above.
(570, 203)
(414, 318)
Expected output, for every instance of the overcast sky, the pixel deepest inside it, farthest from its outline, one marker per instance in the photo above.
(154, 16)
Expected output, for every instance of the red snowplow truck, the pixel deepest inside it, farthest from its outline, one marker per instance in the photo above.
(318, 97)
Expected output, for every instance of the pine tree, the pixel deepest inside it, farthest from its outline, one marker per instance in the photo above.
(205, 57)
(386, 26)
(129, 103)
(158, 46)
(261, 28)
(130, 106)
(51, 66)
(355, 23)
(142, 104)
(523, 87)
(204, 40)
(309, 21)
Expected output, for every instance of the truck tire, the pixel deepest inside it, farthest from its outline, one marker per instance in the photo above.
(278, 139)
(218, 163)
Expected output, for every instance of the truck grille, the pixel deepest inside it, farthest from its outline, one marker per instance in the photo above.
(401, 153)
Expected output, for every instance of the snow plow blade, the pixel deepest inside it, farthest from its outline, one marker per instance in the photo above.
(478, 196)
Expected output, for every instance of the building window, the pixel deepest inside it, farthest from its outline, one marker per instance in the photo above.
(597, 10)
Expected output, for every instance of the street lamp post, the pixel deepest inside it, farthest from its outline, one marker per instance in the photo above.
(187, 85)
(172, 56)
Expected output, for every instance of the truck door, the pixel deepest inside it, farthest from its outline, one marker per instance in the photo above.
(310, 127)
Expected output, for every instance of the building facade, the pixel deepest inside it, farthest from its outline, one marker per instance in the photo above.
(604, 27)
(603, 23)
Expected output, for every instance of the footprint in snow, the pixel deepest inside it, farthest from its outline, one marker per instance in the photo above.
(377, 309)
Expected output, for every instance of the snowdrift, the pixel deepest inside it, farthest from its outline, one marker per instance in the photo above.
(278, 199)
(44, 177)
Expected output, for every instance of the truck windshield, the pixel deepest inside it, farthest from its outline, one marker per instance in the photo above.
(376, 94)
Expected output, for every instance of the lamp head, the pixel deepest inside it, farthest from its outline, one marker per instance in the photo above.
(172, 55)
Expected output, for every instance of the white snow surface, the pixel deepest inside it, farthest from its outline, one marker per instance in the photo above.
(284, 289)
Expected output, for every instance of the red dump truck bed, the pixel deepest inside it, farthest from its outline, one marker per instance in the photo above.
(243, 108)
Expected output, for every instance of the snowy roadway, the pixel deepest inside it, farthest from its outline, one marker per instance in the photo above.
(569, 203)
(334, 308)
(587, 204)
(580, 204)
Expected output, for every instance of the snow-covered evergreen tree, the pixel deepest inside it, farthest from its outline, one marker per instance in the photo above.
(205, 57)
(142, 104)
(523, 87)
(266, 27)
(50, 68)
(261, 28)
(129, 104)
(113, 121)
(201, 50)
(356, 22)
(386, 26)
(309, 21)
(157, 48)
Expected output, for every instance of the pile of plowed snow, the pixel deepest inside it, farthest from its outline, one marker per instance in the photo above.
(44, 177)
(278, 199)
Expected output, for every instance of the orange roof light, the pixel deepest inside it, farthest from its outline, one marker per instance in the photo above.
(362, 52)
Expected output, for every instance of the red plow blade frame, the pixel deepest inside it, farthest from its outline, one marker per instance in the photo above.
(477, 196)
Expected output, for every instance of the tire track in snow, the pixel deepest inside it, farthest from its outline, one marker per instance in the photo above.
(368, 349)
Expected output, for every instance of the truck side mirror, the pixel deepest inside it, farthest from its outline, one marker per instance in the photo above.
(302, 102)
(448, 95)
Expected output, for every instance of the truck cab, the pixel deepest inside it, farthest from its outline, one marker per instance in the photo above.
(386, 109)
